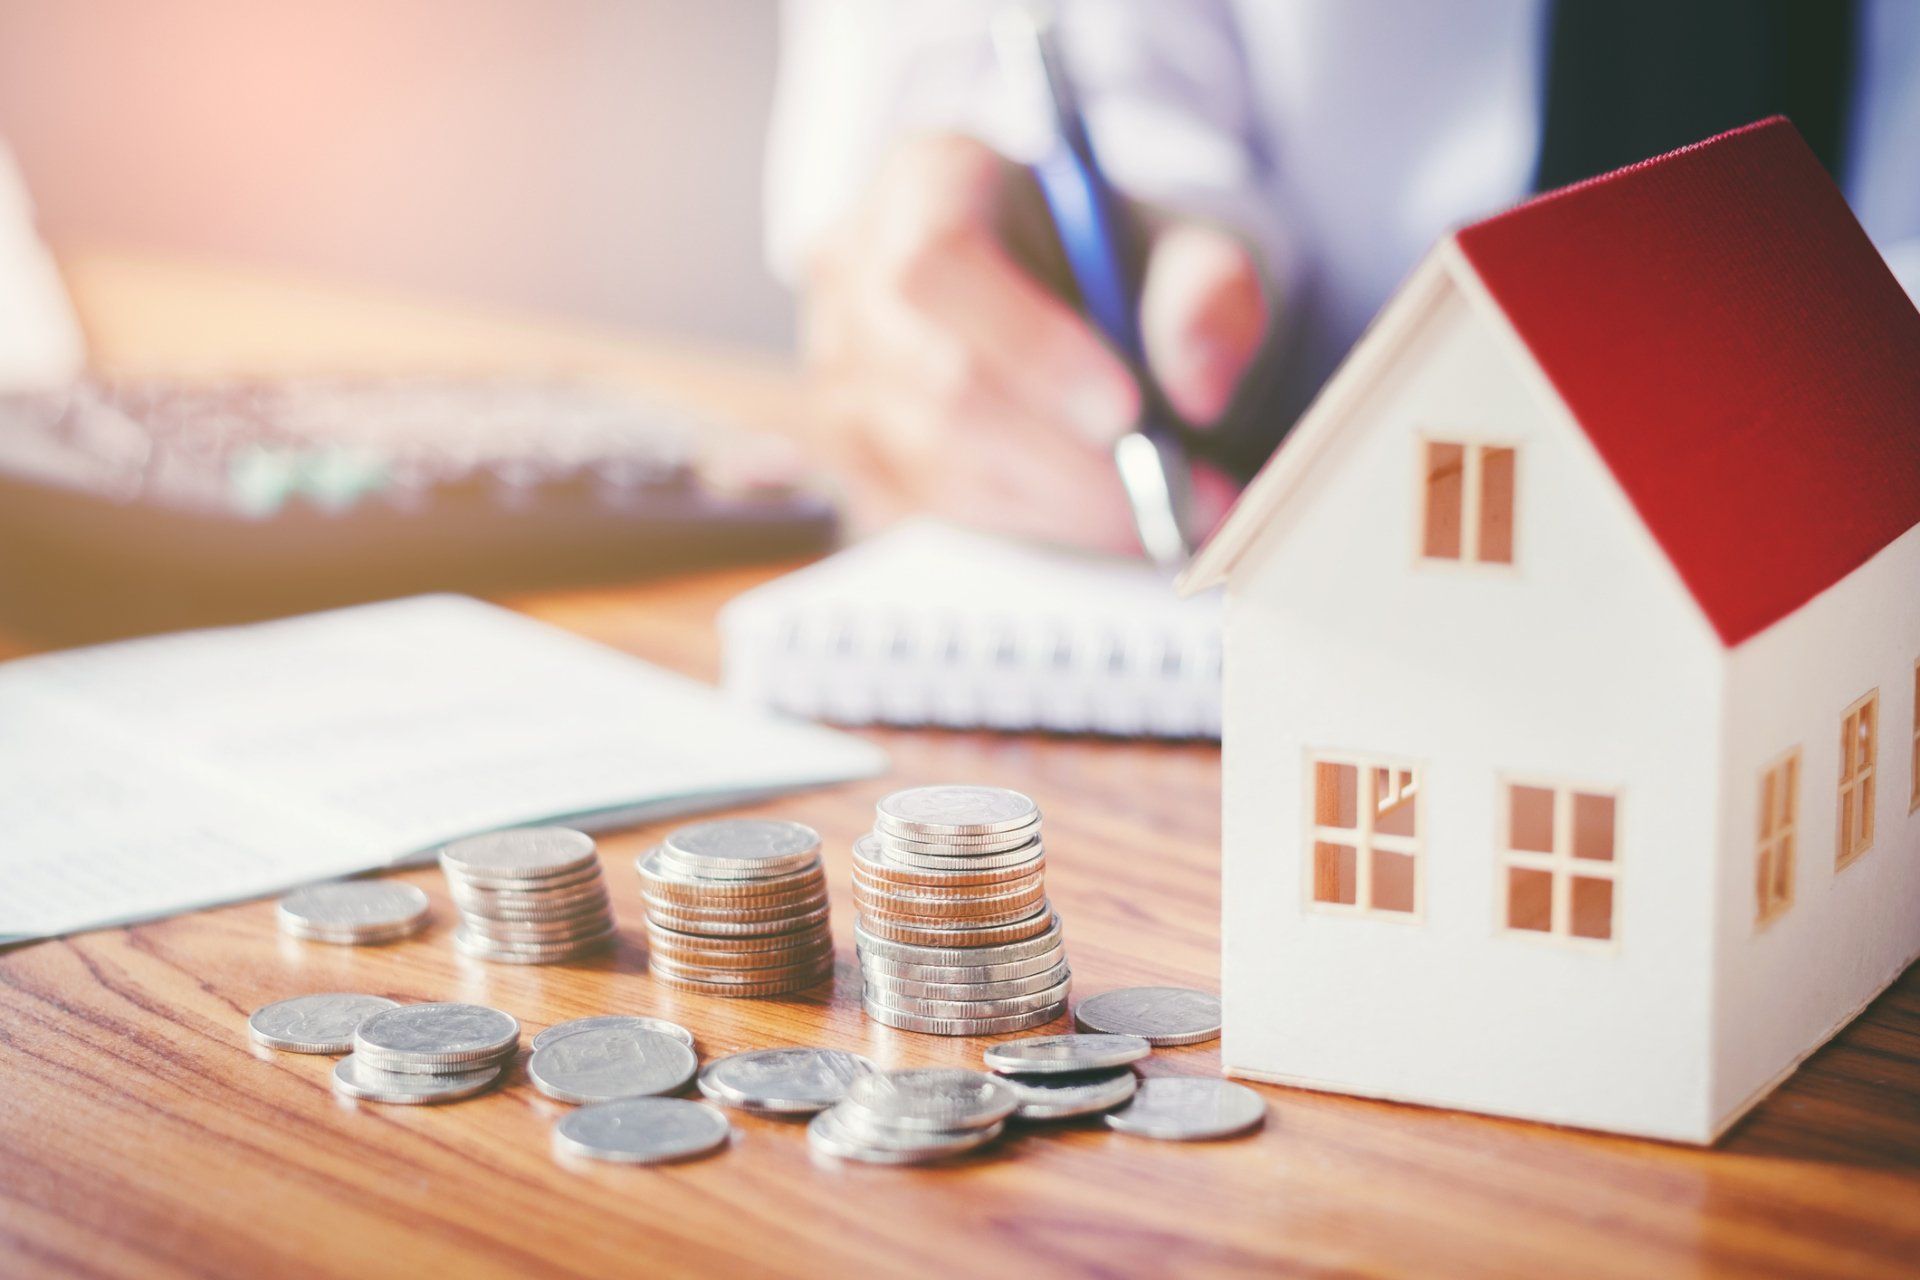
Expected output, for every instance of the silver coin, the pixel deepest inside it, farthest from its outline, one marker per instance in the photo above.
(1187, 1108)
(893, 840)
(1084, 1093)
(938, 1098)
(524, 853)
(437, 1033)
(1158, 1015)
(784, 1081)
(961, 973)
(957, 810)
(742, 842)
(664, 876)
(354, 1078)
(1048, 1055)
(354, 907)
(640, 1130)
(1008, 1007)
(611, 1062)
(528, 952)
(993, 989)
(573, 881)
(635, 1021)
(902, 1021)
(835, 1132)
(320, 1023)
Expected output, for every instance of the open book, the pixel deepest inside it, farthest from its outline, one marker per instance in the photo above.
(153, 776)
(928, 624)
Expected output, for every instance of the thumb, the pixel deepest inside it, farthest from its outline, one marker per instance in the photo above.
(1202, 317)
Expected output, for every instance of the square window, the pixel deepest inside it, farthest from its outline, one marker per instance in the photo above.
(1335, 874)
(1529, 899)
(1392, 881)
(1530, 819)
(1592, 908)
(1593, 827)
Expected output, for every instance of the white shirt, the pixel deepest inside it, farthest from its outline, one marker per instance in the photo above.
(1343, 136)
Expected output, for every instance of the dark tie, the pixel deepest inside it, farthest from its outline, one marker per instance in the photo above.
(1629, 79)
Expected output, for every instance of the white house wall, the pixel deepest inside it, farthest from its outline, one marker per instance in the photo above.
(1787, 986)
(1585, 663)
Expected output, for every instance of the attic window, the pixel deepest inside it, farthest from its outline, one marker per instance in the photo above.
(1467, 502)
(1366, 836)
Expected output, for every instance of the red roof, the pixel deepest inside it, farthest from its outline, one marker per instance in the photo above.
(1739, 354)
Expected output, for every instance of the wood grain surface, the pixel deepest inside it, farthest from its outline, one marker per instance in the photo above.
(140, 1135)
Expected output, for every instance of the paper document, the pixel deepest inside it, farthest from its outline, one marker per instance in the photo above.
(153, 776)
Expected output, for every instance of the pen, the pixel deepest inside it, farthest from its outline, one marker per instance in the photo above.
(1152, 462)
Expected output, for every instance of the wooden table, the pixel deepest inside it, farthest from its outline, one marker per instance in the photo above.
(141, 1136)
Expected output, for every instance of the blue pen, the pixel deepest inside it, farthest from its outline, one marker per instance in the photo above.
(1153, 465)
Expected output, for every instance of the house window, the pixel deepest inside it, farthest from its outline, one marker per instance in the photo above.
(1859, 743)
(1467, 503)
(1779, 814)
(1559, 861)
(1366, 836)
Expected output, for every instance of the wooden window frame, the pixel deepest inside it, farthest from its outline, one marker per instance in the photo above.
(1559, 863)
(1861, 782)
(1776, 838)
(1363, 838)
(1473, 453)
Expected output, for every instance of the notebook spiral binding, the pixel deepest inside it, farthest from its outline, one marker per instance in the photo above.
(850, 667)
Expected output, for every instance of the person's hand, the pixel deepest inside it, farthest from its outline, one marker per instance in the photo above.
(948, 379)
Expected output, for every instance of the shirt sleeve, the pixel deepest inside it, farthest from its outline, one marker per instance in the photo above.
(1163, 83)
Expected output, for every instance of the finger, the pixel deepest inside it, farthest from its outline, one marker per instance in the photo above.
(1046, 356)
(1202, 316)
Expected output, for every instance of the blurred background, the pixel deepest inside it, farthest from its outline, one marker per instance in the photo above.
(598, 159)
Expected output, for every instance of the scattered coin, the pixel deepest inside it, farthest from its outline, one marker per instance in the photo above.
(605, 1063)
(640, 1131)
(1158, 1015)
(354, 911)
(532, 895)
(1064, 1096)
(635, 1021)
(354, 1078)
(322, 1023)
(839, 1133)
(783, 1081)
(934, 1098)
(1046, 1055)
(1188, 1108)
(436, 1038)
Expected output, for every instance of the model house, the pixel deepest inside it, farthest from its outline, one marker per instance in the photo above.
(1571, 686)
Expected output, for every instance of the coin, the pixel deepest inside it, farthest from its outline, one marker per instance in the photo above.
(961, 1026)
(527, 952)
(995, 861)
(1048, 1055)
(932, 1098)
(640, 1131)
(436, 1034)
(321, 1023)
(1064, 1096)
(741, 843)
(665, 880)
(783, 1081)
(917, 953)
(992, 1007)
(354, 911)
(605, 1063)
(960, 935)
(1159, 1015)
(958, 810)
(524, 853)
(354, 1078)
(1014, 970)
(835, 1133)
(559, 1029)
(876, 864)
(993, 989)
(1186, 1108)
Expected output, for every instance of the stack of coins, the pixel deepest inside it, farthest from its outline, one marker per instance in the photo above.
(528, 896)
(354, 912)
(738, 907)
(955, 934)
(427, 1053)
(911, 1117)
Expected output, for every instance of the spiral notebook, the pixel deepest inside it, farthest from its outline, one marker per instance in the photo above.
(928, 624)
